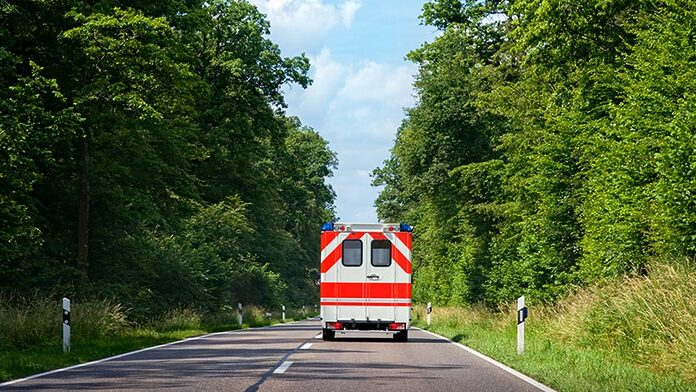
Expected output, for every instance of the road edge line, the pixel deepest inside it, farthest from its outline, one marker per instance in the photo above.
(97, 361)
(493, 362)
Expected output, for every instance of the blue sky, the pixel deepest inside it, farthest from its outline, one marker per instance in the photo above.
(361, 81)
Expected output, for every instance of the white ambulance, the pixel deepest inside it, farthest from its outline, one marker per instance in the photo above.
(365, 280)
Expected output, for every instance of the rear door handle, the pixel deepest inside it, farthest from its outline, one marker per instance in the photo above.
(373, 276)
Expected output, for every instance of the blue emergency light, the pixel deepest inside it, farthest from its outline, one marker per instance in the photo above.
(405, 227)
(329, 226)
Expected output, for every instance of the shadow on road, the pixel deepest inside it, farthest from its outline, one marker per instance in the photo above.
(207, 363)
(380, 339)
(363, 371)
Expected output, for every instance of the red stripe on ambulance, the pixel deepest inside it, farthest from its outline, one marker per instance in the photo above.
(341, 303)
(327, 237)
(365, 290)
(400, 259)
(331, 259)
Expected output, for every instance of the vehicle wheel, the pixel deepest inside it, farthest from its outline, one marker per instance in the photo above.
(327, 334)
(401, 336)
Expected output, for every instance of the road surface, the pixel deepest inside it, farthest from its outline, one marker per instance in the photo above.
(289, 357)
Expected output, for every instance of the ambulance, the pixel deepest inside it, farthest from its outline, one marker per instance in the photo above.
(365, 282)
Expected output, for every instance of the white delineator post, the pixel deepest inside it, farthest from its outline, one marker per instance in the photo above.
(239, 316)
(283, 314)
(429, 310)
(66, 325)
(521, 316)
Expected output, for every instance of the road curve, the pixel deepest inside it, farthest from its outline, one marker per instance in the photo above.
(288, 357)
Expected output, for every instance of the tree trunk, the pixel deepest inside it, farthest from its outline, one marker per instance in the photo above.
(83, 214)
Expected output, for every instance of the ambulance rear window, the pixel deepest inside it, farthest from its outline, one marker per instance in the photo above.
(381, 253)
(352, 253)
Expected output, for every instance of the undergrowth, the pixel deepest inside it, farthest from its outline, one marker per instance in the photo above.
(31, 338)
(634, 333)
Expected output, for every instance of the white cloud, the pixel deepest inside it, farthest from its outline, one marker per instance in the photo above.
(357, 107)
(301, 25)
(347, 100)
(328, 77)
(372, 100)
(382, 83)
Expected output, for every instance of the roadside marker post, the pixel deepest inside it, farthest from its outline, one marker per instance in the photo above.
(304, 313)
(66, 325)
(429, 310)
(283, 314)
(521, 316)
(239, 316)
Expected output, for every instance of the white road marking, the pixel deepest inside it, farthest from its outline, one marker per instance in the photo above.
(494, 362)
(283, 367)
(306, 346)
(318, 336)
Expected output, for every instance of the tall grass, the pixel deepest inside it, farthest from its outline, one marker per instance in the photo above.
(27, 322)
(650, 320)
(179, 319)
(30, 331)
(95, 319)
(225, 318)
(633, 333)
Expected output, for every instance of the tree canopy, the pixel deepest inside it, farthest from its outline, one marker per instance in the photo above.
(145, 156)
(551, 146)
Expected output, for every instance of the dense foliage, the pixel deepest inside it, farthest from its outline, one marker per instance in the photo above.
(552, 145)
(145, 156)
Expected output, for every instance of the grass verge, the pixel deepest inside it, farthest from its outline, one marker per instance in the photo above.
(634, 334)
(32, 343)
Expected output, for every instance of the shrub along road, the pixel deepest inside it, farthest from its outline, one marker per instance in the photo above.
(288, 357)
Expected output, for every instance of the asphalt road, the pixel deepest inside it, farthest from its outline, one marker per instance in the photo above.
(289, 357)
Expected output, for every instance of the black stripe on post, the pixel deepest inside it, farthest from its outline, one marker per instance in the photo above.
(522, 315)
(66, 317)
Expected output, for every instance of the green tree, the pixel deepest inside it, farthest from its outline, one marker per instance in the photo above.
(34, 124)
(549, 146)
(146, 156)
(135, 97)
(444, 146)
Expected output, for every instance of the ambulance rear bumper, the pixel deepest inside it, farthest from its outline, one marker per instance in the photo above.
(366, 325)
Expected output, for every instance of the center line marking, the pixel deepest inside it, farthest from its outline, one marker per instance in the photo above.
(306, 346)
(283, 367)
